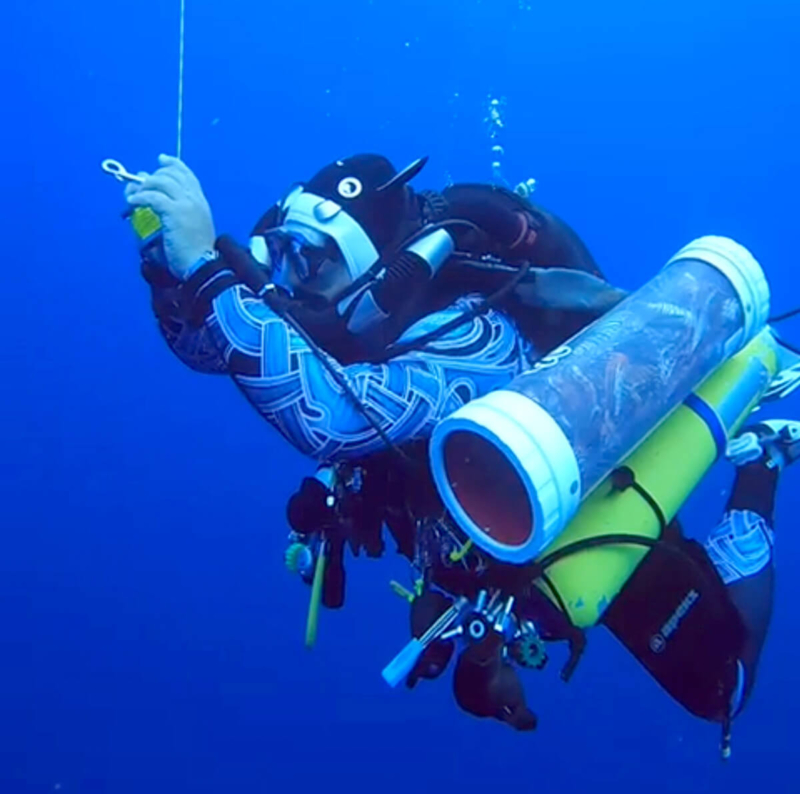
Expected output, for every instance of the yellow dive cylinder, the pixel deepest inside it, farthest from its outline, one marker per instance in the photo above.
(668, 465)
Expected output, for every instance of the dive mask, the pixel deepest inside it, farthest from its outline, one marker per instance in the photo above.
(302, 258)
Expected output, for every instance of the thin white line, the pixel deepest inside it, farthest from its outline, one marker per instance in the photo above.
(180, 75)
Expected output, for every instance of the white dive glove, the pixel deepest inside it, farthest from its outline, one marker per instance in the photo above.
(174, 194)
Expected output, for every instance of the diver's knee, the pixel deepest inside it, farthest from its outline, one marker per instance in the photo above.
(741, 545)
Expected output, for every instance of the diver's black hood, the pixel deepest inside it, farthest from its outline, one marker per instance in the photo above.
(371, 190)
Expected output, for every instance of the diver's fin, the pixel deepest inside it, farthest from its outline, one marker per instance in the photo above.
(568, 290)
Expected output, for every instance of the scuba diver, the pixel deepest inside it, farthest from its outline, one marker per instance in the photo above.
(361, 314)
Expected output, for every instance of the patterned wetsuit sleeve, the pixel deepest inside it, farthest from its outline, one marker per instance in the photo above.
(288, 384)
(195, 347)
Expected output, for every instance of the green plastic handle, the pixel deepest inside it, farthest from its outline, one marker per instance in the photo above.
(316, 596)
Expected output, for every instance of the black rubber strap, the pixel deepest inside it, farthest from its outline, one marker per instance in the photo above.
(482, 307)
(205, 284)
(624, 478)
(234, 266)
(241, 262)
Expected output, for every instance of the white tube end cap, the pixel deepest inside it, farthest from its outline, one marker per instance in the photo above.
(526, 458)
(743, 271)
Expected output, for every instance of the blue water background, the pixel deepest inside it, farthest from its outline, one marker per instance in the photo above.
(150, 637)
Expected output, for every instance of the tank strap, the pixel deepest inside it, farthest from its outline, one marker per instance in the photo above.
(624, 478)
(401, 348)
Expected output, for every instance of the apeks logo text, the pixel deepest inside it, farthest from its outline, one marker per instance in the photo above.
(658, 642)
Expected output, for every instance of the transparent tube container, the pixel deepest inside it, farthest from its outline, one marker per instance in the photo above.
(513, 466)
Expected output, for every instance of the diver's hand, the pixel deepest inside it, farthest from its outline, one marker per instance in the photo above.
(174, 194)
